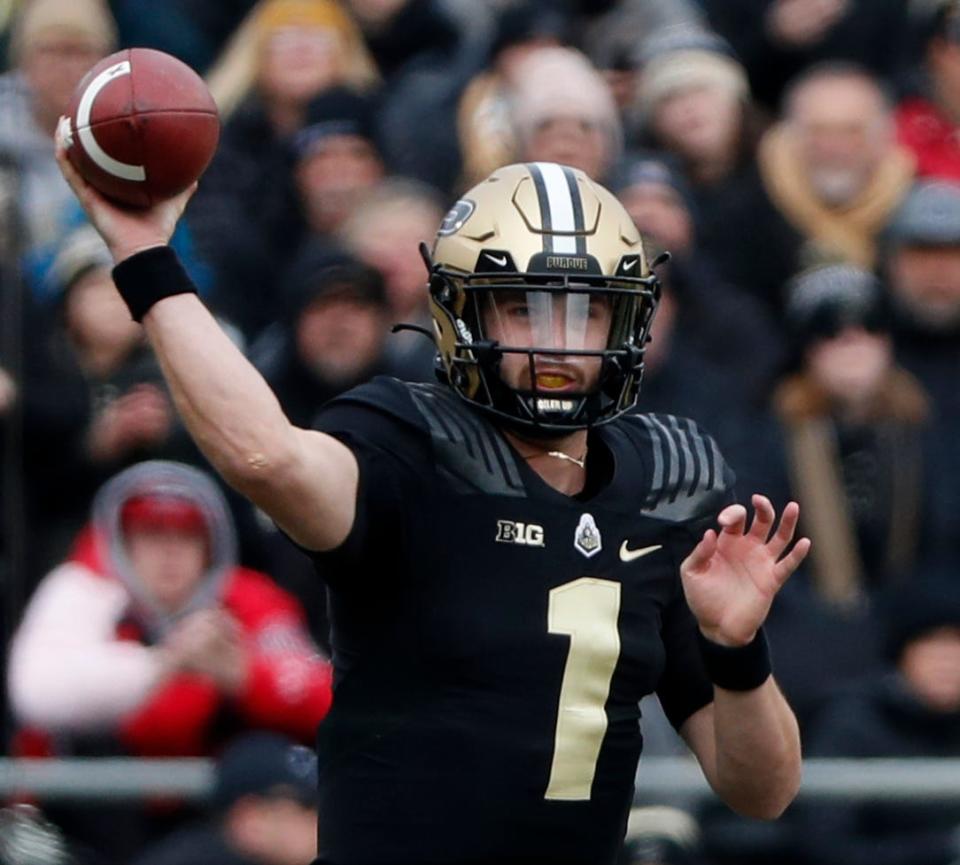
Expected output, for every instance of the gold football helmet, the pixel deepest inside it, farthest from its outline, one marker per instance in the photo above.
(540, 272)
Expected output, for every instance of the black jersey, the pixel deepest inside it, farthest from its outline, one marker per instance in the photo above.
(493, 637)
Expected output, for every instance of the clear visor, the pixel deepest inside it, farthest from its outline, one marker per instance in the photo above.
(575, 321)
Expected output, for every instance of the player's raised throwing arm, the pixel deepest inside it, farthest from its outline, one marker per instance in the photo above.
(305, 480)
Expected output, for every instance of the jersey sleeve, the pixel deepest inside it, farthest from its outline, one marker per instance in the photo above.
(684, 686)
(690, 481)
(380, 427)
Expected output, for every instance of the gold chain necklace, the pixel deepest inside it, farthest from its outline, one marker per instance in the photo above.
(560, 455)
(579, 462)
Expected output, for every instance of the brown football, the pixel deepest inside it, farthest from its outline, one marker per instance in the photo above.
(142, 126)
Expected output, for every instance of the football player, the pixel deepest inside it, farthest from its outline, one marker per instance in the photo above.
(514, 556)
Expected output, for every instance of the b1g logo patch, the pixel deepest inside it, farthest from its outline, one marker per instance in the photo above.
(457, 217)
(524, 534)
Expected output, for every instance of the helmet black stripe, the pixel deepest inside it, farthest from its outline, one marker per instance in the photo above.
(546, 221)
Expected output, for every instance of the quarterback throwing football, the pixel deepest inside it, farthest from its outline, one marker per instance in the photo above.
(515, 556)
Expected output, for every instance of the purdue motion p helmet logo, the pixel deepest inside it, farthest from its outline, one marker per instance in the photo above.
(456, 217)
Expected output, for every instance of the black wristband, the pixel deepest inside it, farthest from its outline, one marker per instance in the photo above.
(149, 276)
(737, 668)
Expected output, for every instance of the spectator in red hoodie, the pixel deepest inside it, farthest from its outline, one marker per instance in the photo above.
(150, 637)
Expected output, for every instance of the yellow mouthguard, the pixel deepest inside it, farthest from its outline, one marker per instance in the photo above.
(550, 381)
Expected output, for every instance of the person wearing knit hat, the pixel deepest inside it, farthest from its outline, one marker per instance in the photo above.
(563, 111)
(689, 70)
(291, 49)
(922, 256)
(854, 427)
(824, 301)
(320, 14)
(331, 331)
(337, 158)
(642, 167)
(41, 22)
(530, 22)
(322, 271)
(53, 44)
(263, 809)
(691, 101)
(305, 46)
(339, 111)
(687, 59)
(921, 264)
(659, 199)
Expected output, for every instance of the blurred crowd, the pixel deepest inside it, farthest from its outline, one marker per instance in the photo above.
(799, 159)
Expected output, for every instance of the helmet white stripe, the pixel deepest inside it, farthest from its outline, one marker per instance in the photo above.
(574, 188)
(561, 207)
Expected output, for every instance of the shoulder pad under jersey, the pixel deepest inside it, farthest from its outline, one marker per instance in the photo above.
(384, 394)
(467, 449)
(689, 477)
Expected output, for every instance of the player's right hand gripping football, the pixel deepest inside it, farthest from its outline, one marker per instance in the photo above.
(125, 230)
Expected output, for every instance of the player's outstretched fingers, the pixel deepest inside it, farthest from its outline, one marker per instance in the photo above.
(700, 555)
(790, 562)
(785, 531)
(733, 519)
(763, 518)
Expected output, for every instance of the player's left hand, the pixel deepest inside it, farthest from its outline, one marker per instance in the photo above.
(731, 577)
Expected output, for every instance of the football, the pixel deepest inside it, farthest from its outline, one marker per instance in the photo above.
(141, 126)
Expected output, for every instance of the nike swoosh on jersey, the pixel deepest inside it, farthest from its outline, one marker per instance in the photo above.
(627, 555)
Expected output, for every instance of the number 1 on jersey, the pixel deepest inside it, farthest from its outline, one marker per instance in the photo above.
(587, 611)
